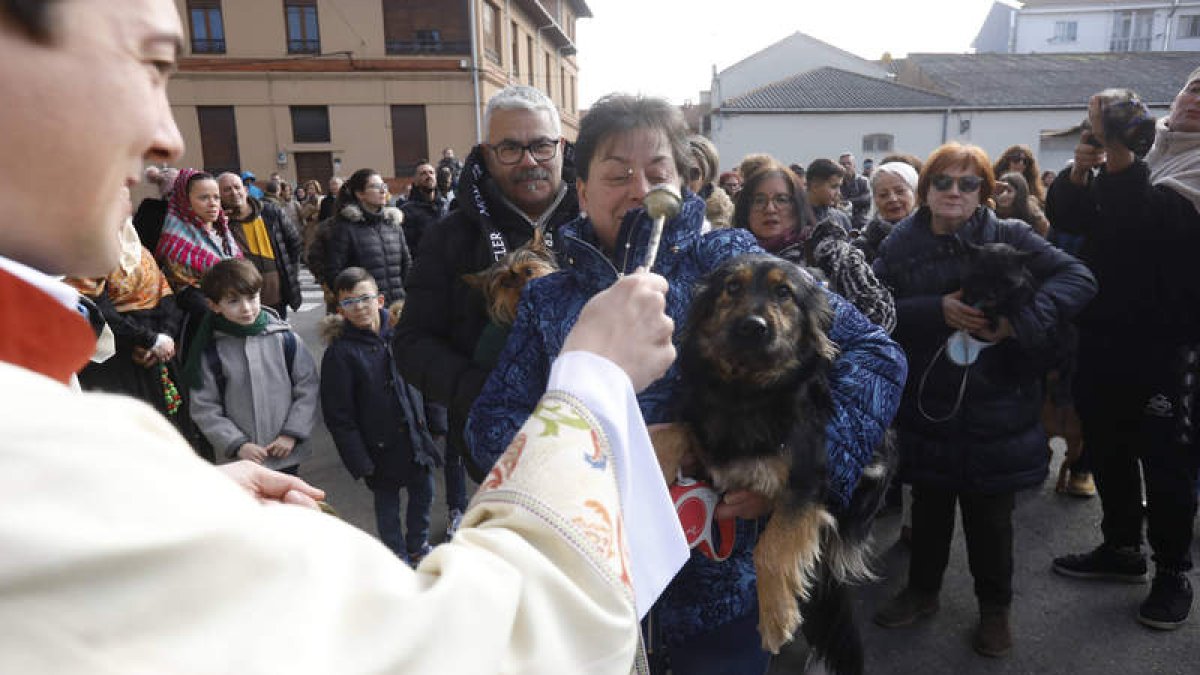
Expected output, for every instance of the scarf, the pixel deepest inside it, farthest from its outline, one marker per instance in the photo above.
(208, 325)
(779, 242)
(1174, 161)
(184, 240)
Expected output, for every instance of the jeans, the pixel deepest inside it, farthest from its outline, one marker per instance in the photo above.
(987, 526)
(416, 521)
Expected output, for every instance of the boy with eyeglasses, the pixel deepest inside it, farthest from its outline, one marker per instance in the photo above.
(254, 385)
(378, 421)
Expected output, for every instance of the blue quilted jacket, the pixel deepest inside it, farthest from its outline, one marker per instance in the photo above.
(867, 380)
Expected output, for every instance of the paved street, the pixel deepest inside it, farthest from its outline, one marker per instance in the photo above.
(1060, 625)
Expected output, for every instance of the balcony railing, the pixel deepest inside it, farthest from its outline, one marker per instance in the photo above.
(208, 46)
(428, 47)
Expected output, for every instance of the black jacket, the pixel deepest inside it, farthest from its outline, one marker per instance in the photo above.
(995, 442)
(380, 424)
(289, 246)
(372, 241)
(420, 215)
(443, 317)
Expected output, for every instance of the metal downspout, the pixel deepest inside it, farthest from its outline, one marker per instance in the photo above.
(475, 70)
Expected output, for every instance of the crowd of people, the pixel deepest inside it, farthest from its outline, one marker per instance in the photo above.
(194, 289)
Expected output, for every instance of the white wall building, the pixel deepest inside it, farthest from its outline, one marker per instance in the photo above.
(1081, 26)
(990, 100)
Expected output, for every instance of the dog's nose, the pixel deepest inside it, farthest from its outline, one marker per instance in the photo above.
(753, 328)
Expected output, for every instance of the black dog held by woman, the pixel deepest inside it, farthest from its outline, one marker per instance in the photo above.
(755, 402)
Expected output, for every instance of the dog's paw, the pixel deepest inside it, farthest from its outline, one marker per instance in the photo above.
(778, 621)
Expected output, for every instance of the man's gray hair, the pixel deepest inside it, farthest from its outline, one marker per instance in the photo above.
(230, 173)
(522, 97)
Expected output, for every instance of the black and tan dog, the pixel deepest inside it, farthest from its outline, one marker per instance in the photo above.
(755, 401)
(502, 282)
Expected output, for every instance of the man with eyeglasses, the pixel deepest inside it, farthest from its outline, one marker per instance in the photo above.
(510, 185)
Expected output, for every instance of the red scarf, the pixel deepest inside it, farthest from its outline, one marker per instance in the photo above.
(38, 333)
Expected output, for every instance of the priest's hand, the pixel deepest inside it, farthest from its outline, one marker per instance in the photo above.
(272, 486)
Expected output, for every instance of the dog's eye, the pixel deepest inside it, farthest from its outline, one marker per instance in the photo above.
(529, 271)
(783, 292)
(733, 287)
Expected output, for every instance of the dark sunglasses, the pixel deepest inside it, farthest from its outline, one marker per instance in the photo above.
(966, 184)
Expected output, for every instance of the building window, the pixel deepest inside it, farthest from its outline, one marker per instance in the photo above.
(218, 139)
(529, 60)
(1065, 31)
(208, 29)
(546, 72)
(491, 32)
(516, 53)
(1189, 26)
(302, 32)
(310, 123)
(410, 143)
(1132, 31)
(562, 85)
(423, 27)
(573, 108)
(875, 143)
(316, 166)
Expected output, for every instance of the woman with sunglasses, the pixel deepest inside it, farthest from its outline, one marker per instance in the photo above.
(366, 233)
(968, 423)
(1020, 159)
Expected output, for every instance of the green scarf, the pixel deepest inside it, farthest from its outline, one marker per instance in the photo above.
(213, 322)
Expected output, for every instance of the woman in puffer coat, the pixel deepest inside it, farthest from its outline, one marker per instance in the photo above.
(367, 233)
(707, 619)
(970, 434)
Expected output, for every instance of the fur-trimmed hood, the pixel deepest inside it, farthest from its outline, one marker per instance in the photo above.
(390, 215)
(331, 326)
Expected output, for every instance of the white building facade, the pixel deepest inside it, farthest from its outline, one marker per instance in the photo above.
(1088, 26)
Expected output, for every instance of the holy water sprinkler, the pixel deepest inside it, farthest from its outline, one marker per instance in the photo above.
(661, 202)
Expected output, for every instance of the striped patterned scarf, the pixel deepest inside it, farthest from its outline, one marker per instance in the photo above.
(184, 241)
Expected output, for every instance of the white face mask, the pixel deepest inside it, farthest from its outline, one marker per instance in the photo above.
(963, 349)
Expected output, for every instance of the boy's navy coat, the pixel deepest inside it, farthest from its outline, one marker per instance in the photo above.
(379, 423)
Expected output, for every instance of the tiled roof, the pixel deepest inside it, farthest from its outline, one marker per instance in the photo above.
(834, 89)
(1025, 80)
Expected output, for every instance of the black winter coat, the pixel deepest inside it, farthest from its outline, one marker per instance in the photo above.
(419, 216)
(289, 246)
(372, 241)
(443, 317)
(381, 426)
(995, 442)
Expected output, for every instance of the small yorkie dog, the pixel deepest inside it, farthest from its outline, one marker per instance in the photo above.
(501, 283)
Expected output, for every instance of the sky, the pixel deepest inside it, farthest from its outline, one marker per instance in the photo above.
(669, 47)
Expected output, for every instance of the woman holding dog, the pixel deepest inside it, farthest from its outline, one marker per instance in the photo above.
(778, 216)
(969, 434)
(706, 622)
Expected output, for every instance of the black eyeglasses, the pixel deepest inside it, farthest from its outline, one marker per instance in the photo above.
(966, 184)
(510, 152)
(781, 202)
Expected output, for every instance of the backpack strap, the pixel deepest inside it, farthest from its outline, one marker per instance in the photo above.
(289, 352)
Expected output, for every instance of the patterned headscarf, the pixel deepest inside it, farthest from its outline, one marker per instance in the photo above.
(180, 205)
(185, 250)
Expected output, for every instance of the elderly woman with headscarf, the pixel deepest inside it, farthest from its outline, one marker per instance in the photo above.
(707, 620)
(894, 191)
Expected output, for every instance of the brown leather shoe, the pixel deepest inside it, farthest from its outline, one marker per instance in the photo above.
(908, 606)
(993, 637)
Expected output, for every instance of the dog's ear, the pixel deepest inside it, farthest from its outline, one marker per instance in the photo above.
(477, 280)
(538, 243)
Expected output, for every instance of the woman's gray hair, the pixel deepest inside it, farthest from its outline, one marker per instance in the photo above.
(522, 97)
(898, 169)
(705, 157)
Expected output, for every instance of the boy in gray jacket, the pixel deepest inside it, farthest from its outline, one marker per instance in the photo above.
(254, 385)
